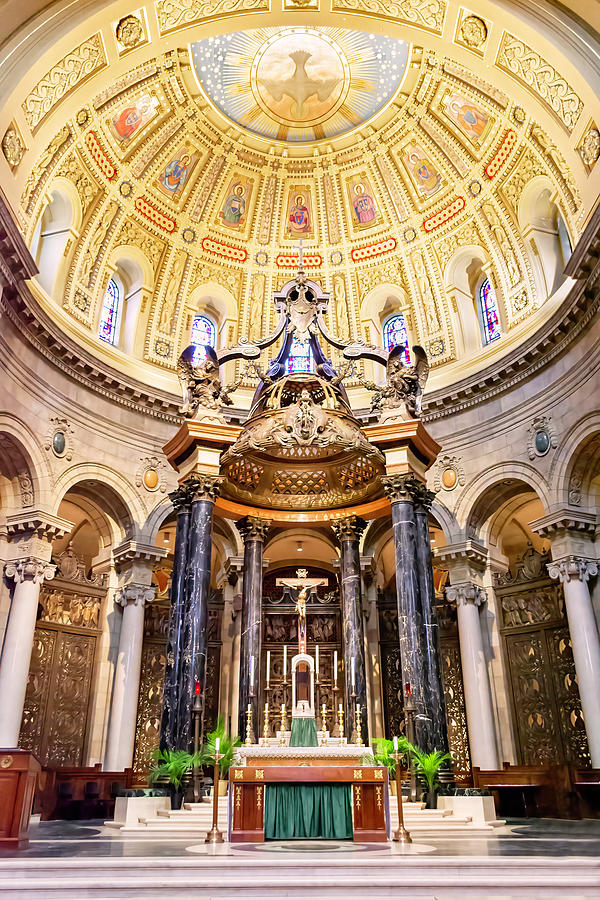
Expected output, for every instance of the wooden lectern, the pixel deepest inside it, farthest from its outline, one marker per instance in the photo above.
(19, 770)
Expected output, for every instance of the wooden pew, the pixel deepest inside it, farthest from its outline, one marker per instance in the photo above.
(64, 792)
(529, 790)
(586, 786)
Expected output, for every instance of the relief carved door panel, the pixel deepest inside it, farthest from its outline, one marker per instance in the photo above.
(57, 701)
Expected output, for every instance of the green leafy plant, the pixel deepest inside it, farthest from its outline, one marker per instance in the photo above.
(429, 765)
(384, 750)
(174, 764)
(227, 747)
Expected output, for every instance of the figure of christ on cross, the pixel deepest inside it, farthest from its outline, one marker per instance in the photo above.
(303, 584)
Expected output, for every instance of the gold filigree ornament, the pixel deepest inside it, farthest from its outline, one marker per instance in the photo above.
(129, 32)
(589, 149)
(13, 147)
(6, 762)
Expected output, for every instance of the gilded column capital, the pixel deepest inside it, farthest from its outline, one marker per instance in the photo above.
(348, 529)
(203, 487)
(572, 568)
(29, 568)
(135, 595)
(465, 593)
(252, 528)
(407, 488)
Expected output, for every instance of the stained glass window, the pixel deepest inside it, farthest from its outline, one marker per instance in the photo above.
(300, 358)
(395, 333)
(109, 315)
(488, 311)
(203, 335)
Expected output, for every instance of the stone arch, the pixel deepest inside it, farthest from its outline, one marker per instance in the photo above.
(58, 222)
(446, 519)
(134, 275)
(464, 275)
(576, 470)
(545, 233)
(24, 470)
(218, 304)
(376, 307)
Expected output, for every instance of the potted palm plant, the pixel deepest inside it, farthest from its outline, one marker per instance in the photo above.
(227, 748)
(173, 767)
(383, 755)
(428, 768)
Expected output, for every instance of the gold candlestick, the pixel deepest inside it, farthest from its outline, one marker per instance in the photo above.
(401, 834)
(215, 836)
(265, 739)
(357, 735)
(341, 723)
(249, 735)
(324, 725)
(282, 725)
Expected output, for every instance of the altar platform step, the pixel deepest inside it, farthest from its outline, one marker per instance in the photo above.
(359, 875)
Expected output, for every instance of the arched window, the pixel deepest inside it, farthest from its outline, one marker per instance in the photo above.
(488, 313)
(301, 357)
(394, 334)
(203, 335)
(109, 316)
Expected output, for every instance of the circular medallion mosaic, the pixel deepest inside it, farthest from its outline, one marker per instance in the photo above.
(299, 84)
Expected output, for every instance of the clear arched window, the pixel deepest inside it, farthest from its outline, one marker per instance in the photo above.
(301, 357)
(109, 316)
(395, 334)
(488, 313)
(203, 335)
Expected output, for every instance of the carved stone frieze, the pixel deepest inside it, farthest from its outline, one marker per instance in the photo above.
(42, 165)
(87, 189)
(426, 14)
(541, 78)
(65, 608)
(174, 14)
(67, 74)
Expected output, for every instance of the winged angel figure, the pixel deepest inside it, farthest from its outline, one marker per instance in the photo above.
(200, 382)
(404, 384)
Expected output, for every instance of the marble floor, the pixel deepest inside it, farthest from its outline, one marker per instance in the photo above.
(538, 858)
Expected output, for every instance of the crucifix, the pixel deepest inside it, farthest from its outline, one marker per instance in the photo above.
(303, 584)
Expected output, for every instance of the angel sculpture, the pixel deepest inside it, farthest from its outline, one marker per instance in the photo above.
(404, 384)
(200, 382)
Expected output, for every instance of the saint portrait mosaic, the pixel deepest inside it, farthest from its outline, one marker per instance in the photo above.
(300, 84)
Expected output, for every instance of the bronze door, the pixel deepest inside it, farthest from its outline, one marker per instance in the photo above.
(57, 702)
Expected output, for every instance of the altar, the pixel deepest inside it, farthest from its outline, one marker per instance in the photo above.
(316, 801)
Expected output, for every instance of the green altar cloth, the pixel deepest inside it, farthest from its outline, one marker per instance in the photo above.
(303, 733)
(308, 811)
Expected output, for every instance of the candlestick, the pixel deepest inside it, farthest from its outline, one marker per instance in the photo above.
(317, 660)
(341, 724)
(356, 737)
(353, 674)
(324, 724)
(265, 739)
(282, 726)
(251, 674)
(401, 834)
(335, 667)
(284, 661)
(217, 745)
(215, 836)
(336, 731)
(268, 666)
(249, 730)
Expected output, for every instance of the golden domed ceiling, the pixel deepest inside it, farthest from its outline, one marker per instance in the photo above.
(413, 155)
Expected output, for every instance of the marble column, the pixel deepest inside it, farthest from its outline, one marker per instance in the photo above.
(253, 531)
(573, 572)
(28, 573)
(436, 703)
(402, 491)
(123, 711)
(168, 726)
(478, 701)
(204, 490)
(348, 532)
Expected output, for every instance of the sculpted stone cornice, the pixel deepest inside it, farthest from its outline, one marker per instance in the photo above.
(465, 593)
(348, 529)
(135, 551)
(470, 552)
(135, 595)
(572, 568)
(253, 528)
(403, 488)
(29, 569)
(576, 520)
(38, 524)
(204, 487)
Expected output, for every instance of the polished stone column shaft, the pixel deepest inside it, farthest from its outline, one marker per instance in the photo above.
(478, 700)
(28, 573)
(204, 490)
(254, 532)
(123, 710)
(168, 726)
(402, 491)
(348, 532)
(574, 572)
(433, 684)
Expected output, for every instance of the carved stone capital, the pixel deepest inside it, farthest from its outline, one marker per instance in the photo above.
(348, 529)
(203, 487)
(180, 498)
(424, 498)
(572, 568)
(398, 488)
(29, 568)
(135, 595)
(463, 594)
(253, 528)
